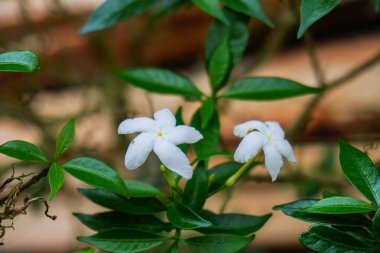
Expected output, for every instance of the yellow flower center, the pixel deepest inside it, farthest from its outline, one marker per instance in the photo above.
(160, 134)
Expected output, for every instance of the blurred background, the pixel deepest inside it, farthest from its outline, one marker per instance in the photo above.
(76, 79)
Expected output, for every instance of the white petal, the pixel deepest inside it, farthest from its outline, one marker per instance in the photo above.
(283, 146)
(165, 118)
(183, 134)
(275, 129)
(273, 160)
(173, 158)
(249, 147)
(243, 129)
(139, 150)
(141, 124)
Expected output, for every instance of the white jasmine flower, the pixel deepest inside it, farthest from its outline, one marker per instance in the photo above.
(161, 136)
(268, 137)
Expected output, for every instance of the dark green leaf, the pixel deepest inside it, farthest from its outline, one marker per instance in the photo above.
(361, 233)
(113, 11)
(311, 11)
(249, 7)
(212, 7)
(219, 65)
(121, 240)
(138, 189)
(267, 88)
(376, 4)
(110, 220)
(238, 224)
(95, 173)
(212, 154)
(183, 217)
(56, 178)
(18, 61)
(376, 225)
(218, 243)
(122, 204)
(65, 138)
(173, 248)
(196, 189)
(160, 81)
(167, 6)
(23, 150)
(360, 171)
(207, 111)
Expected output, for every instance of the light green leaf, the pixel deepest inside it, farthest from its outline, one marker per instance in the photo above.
(138, 189)
(24, 151)
(219, 65)
(56, 179)
(267, 88)
(196, 189)
(183, 217)
(212, 7)
(65, 138)
(85, 250)
(18, 61)
(311, 11)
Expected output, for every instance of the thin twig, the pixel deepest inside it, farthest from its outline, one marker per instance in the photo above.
(317, 69)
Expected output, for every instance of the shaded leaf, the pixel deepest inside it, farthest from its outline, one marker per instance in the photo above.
(376, 4)
(167, 6)
(219, 65)
(18, 61)
(138, 189)
(56, 179)
(212, 7)
(65, 138)
(207, 111)
(196, 189)
(24, 151)
(183, 217)
(376, 225)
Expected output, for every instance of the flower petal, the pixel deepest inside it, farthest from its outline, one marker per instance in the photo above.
(273, 160)
(243, 129)
(283, 146)
(139, 150)
(173, 158)
(183, 134)
(249, 147)
(275, 129)
(141, 124)
(165, 118)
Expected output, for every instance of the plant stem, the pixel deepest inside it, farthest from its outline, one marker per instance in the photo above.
(235, 177)
(176, 190)
(310, 47)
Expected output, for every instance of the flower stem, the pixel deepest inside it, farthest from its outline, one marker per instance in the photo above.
(176, 190)
(243, 169)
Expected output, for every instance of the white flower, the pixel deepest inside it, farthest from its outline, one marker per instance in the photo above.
(160, 135)
(267, 136)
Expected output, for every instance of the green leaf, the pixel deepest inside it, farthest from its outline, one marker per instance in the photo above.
(95, 173)
(360, 171)
(110, 220)
(340, 205)
(251, 8)
(173, 248)
(138, 189)
(376, 225)
(18, 61)
(219, 66)
(267, 88)
(330, 240)
(376, 4)
(196, 189)
(212, 7)
(217, 243)
(56, 179)
(85, 250)
(212, 154)
(120, 203)
(24, 151)
(167, 6)
(65, 138)
(183, 217)
(121, 240)
(207, 111)
(160, 81)
(113, 11)
(311, 11)
(238, 224)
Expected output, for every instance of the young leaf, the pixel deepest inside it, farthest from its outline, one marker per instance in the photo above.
(85, 250)
(217, 243)
(18, 61)
(207, 111)
(311, 11)
(56, 178)
(183, 217)
(212, 7)
(360, 171)
(196, 189)
(376, 225)
(251, 8)
(138, 189)
(160, 81)
(65, 138)
(119, 203)
(219, 66)
(24, 151)
(114, 11)
(267, 88)
(121, 240)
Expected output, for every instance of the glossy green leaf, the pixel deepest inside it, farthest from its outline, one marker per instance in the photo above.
(110, 220)
(361, 233)
(24, 151)
(65, 138)
(217, 243)
(238, 224)
(113, 11)
(95, 173)
(340, 205)
(207, 111)
(267, 88)
(196, 189)
(183, 217)
(376, 4)
(56, 179)
(121, 240)
(212, 7)
(376, 225)
(160, 81)
(18, 61)
(312, 11)
(167, 6)
(249, 7)
(360, 171)
(120, 203)
(138, 189)
(219, 65)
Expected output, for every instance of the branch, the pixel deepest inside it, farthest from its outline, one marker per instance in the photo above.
(310, 47)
